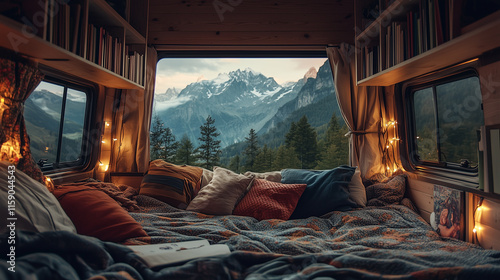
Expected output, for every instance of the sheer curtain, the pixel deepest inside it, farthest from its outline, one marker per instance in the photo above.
(363, 110)
(133, 117)
(18, 79)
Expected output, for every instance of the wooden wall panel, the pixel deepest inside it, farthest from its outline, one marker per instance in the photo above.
(490, 89)
(422, 194)
(252, 23)
(487, 222)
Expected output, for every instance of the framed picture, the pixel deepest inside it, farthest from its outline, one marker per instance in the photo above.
(448, 216)
(493, 154)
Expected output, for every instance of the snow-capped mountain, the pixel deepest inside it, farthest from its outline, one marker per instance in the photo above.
(238, 101)
(317, 85)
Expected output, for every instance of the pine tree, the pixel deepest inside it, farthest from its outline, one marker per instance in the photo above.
(263, 160)
(186, 154)
(302, 137)
(169, 145)
(209, 150)
(285, 158)
(234, 164)
(335, 145)
(156, 138)
(252, 148)
(289, 137)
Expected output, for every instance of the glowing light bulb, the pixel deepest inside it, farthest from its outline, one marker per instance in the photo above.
(474, 230)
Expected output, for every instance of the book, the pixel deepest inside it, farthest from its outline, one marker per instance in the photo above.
(448, 218)
(157, 255)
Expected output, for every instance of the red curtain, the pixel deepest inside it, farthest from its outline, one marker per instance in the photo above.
(18, 79)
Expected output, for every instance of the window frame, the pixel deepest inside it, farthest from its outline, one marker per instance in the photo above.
(410, 162)
(86, 149)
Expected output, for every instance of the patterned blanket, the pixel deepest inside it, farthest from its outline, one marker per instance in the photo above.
(389, 242)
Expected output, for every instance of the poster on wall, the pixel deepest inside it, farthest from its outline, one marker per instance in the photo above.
(447, 218)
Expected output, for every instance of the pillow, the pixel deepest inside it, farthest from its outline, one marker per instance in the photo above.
(206, 177)
(34, 207)
(174, 184)
(222, 193)
(96, 214)
(386, 193)
(326, 190)
(270, 200)
(357, 191)
(273, 176)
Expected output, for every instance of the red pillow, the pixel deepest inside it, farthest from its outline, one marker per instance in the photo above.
(270, 200)
(96, 214)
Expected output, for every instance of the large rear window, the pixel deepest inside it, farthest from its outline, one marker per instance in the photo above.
(257, 114)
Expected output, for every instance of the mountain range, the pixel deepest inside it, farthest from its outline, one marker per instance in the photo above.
(245, 99)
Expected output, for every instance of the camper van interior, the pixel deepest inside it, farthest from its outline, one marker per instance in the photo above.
(397, 179)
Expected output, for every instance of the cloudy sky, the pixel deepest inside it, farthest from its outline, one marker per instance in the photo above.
(180, 72)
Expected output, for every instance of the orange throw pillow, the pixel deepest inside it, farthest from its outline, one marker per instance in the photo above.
(174, 184)
(270, 200)
(96, 214)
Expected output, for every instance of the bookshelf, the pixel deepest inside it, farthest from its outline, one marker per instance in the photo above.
(88, 39)
(383, 57)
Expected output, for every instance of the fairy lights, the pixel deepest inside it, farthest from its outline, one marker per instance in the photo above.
(388, 147)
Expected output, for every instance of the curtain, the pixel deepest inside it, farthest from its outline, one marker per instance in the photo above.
(18, 79)
(133, 116)
(363, 110)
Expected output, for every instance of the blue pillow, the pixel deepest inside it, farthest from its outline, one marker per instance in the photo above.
(326, 190)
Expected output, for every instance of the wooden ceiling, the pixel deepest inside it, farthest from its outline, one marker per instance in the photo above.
(249, 24)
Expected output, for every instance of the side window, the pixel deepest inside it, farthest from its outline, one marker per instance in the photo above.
(447, 115)
(55, 115)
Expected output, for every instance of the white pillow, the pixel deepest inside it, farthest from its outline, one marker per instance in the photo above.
(357, 191)
(34, 207)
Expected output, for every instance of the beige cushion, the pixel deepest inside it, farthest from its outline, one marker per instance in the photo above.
(223, 192)
(273, 176)
(357, 192)
(206, 177)
(36, 209)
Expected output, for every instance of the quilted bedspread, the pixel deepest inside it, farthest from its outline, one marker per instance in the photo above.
(389, 242)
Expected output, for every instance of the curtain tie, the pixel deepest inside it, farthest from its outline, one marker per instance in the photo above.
(359, 132)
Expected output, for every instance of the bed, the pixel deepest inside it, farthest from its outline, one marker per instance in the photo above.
(372, 242)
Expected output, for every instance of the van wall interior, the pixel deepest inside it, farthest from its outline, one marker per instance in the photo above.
(250, 23)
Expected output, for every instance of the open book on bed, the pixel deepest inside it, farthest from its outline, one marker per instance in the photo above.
(156, 255)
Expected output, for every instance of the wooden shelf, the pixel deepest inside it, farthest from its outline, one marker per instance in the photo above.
(465, 47)
(103, 14)
(58, 58)
(396, 9)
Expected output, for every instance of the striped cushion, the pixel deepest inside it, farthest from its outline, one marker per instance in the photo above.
(174, 184)
(270, 200)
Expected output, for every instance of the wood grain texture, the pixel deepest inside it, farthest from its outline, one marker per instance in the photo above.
(422, 194)
(253, 23)
(489, 76)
